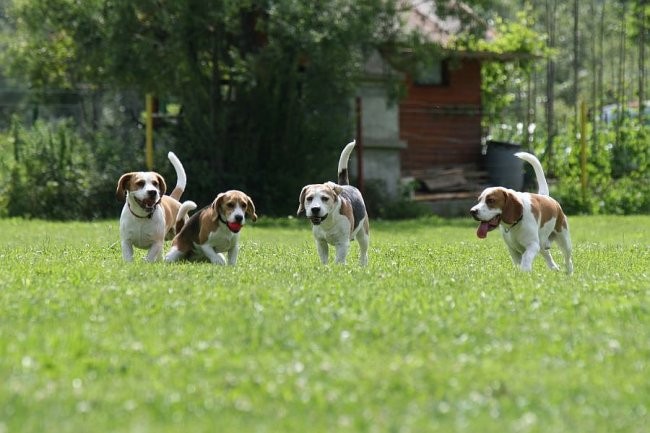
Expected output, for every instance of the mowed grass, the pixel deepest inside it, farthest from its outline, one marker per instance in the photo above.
(438, 334)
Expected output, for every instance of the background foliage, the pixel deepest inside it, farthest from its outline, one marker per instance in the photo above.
(263, 86)
(260, 90)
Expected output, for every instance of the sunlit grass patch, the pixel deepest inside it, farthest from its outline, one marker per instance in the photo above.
(439, 333)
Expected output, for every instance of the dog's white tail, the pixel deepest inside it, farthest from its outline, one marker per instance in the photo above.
(186, 206)
(181, 178)
(539, 171)
(343, 163)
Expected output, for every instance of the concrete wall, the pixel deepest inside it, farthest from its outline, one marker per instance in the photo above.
(379, 130)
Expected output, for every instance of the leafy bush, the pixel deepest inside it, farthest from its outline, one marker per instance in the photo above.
(49, 176)
(618, 176)
(53, 172)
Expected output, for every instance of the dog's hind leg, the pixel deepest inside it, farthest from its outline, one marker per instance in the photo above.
(515, 256)
(549, 260)
(564, 242)
(174, 255)
(364, 241)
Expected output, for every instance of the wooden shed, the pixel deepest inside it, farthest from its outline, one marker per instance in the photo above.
(433, 135)
(440, 119)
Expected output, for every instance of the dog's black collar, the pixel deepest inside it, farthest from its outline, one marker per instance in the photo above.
(507, 229)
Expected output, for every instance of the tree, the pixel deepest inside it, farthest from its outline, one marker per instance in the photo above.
(641, 22)
(264, 85)
(551, 13)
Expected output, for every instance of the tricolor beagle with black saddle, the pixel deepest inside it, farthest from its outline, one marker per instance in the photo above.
(337, 213)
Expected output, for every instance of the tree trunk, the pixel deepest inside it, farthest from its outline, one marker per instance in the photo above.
(642, 48)
(576, 58)
(551, 7)
(530, 112)
(595, 113)
(620, 96)
(601, 52)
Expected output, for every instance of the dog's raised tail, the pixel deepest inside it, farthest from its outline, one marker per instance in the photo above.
(343, 163)
(185, 208)
(539, 171)
(181, 178)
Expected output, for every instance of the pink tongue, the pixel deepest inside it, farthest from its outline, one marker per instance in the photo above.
(483, 230)
(235, 227)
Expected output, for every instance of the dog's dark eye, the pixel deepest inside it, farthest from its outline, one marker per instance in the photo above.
(154, 183)
(489, 200)
(243, 205)
(230, 205)
(309, 199)
(140, 183)
(325, 199)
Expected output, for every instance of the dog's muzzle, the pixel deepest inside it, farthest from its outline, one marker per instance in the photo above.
(487, 226)
(315, 217)
(317, 220)
(234, 226)
(148, 203)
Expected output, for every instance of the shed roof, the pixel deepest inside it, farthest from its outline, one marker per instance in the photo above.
(422, 16)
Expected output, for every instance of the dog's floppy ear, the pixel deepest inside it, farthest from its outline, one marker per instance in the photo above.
(162, 186)
(120, 193)
(216, 204)
(338, 189)
(513, 209)
(250, 209)
(301, 200)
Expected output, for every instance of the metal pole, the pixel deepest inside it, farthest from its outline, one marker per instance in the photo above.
(359, 146)
(148, 151)
(583, 150)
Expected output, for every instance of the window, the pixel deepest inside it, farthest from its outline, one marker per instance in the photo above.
(431, 72)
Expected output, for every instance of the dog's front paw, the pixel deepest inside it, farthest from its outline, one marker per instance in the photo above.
(218, 259)
(525, 268)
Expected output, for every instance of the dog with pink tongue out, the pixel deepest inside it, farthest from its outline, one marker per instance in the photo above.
(529, 222)
(213, 230)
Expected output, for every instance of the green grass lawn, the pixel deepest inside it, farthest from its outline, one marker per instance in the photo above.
(440, 333)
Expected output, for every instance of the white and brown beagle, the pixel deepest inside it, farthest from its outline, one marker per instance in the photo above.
(528, 222)
(337, 213)
(148, 216)
(213, 230)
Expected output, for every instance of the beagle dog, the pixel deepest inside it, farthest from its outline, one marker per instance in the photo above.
(214, 229)
(148, 216)
(528, 222)
(337, 214)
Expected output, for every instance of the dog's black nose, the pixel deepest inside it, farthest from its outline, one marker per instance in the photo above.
(239, 218)
(473, 212)
(315, 210)
(152, 193)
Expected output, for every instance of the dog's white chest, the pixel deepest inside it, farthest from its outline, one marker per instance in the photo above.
(222, 239)
(335, 232)
(142, 232)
